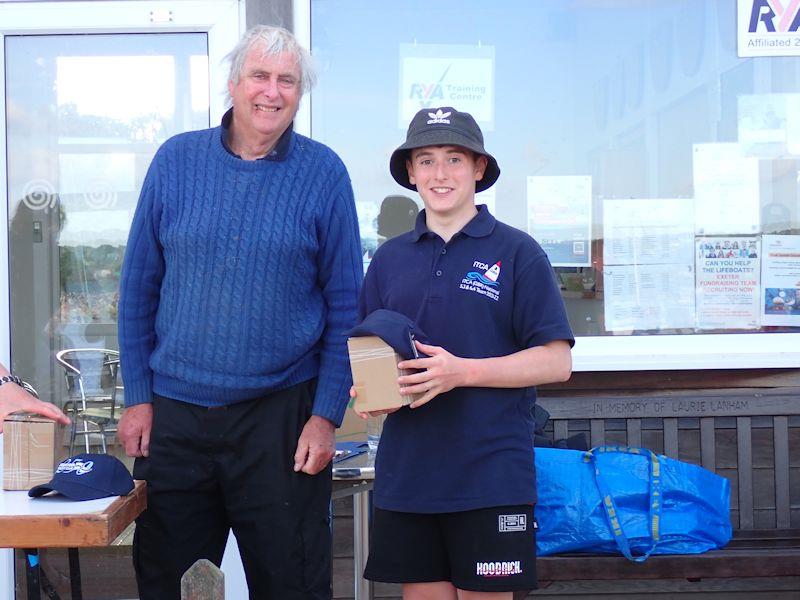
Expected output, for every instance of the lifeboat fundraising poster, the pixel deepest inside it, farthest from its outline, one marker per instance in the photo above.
(728, 275)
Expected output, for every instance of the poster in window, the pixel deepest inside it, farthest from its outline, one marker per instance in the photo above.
(769, 125)
(728, 282)
(648, 253)
(455, 75)
(648, 231)
(648, 297)
(560, 218)
(780, 280)
(489, 198)
(725, 189)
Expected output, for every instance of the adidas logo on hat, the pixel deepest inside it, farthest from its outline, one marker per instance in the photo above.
(88, 477)
(439, 117)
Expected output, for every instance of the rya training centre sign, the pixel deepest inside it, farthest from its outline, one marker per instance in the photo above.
(447, 75)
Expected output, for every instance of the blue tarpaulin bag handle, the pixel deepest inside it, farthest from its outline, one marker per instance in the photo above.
(612, 513)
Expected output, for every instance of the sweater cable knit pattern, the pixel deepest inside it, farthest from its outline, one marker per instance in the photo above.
(240, 277)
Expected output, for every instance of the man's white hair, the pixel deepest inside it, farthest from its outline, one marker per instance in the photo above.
(272, 41)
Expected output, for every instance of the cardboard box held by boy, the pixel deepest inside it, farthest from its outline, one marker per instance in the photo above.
(373, 363)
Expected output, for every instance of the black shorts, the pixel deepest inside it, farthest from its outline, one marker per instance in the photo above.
(485, 550)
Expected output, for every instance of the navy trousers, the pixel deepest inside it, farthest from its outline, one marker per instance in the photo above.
(213, 470)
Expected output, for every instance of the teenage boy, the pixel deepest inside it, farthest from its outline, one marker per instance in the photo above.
(455, 481)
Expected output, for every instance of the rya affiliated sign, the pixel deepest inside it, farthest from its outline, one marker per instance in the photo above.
(768, 28)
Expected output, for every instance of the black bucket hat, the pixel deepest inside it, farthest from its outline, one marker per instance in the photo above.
(443, 126)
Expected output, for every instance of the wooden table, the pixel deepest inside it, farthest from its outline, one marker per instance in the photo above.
(56, 522)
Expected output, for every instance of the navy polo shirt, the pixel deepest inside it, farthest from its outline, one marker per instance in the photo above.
(490, 291)
(279, 152)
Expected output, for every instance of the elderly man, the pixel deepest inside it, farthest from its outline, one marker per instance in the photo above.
(240, 278)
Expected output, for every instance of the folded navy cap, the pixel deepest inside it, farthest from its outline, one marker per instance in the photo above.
(88, 477)
(392, 327)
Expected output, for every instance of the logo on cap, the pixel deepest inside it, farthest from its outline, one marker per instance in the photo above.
(75, 465)
(439, 117)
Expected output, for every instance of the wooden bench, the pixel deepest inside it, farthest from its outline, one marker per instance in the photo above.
(751, 438)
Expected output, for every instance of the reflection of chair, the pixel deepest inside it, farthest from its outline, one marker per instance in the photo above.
(91, 375)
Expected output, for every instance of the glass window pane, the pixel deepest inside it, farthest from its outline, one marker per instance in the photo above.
(632, 141)
(85, 114)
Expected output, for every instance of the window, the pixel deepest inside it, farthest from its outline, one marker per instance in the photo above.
(89, 91)
(634, 143)
(78, 150)
(88, 96)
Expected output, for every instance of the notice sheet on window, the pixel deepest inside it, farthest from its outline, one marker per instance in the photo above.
(647, 297)
(728, 282)
(560, 218)
(648, 256)
(648, 231)
(780, 280)
(725, 190)
(489, 198)
(768, 125)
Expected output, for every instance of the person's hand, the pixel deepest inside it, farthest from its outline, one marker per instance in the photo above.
(371, 413)
(15, 399)
(316, 446)
(134, 429)
(442, 372)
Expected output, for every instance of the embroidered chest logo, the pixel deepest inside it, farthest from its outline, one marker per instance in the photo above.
(484, 280)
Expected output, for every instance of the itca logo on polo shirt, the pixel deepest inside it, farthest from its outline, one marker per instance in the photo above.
(483, 281)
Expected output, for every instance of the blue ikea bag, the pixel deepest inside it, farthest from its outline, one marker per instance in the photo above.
(616, 499)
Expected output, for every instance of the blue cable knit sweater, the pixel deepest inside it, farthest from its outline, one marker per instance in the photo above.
(240, 277)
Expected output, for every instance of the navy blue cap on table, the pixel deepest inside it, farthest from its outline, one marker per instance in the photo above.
(88, 477)
(443, 126)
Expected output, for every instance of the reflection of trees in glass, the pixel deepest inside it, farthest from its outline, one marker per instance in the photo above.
(90, 283)
(141, 128)
(72, 123)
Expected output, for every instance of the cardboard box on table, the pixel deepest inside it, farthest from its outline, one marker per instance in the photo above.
(32, 449)
(374, 366)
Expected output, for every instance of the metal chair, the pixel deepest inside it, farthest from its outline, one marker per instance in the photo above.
(91, 375)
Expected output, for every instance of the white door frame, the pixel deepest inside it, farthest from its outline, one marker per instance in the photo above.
(222, 20)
